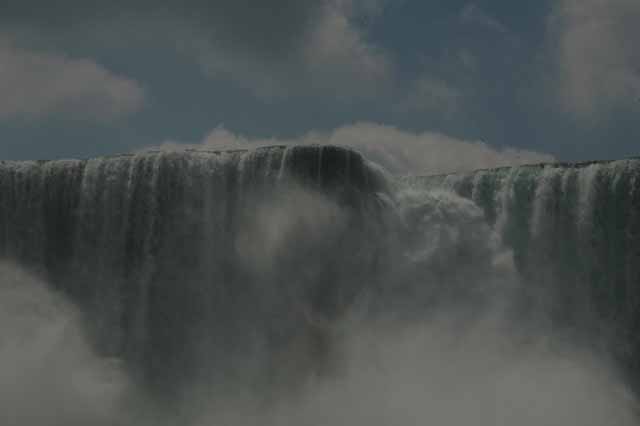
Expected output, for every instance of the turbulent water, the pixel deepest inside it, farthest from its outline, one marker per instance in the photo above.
(273, 286)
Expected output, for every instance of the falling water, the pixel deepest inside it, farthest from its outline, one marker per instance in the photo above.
(227, 273)
(575, 232)
(148, 244)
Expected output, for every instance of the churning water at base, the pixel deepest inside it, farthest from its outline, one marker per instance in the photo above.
(303, 286)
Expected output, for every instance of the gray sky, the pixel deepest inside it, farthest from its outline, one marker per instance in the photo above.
(80, 78)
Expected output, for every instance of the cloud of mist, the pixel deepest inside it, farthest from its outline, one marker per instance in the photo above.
(443, 373)
(296, 217)
(49, 376)
(400, 152)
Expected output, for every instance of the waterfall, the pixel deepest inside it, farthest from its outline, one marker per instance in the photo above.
(152, 243)
(282, 284)
(160, 249)
(575, 233)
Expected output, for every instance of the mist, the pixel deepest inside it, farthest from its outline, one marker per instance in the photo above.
(400, 152)
(441, 373)
(445, 371)
(49, 374)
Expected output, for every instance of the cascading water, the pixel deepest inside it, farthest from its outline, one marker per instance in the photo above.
(157, 247)
(575, 233)
(245, 273)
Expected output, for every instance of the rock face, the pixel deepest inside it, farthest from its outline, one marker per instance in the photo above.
(171, 257)
(575, 233)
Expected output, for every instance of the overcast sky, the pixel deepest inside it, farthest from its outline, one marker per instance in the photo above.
(81, 78)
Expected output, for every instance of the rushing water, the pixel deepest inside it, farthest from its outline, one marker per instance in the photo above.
(575, 234)
(158, 246)
(227, 283)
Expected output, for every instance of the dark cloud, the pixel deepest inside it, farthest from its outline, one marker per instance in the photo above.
(272, 48)
(276, 26)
